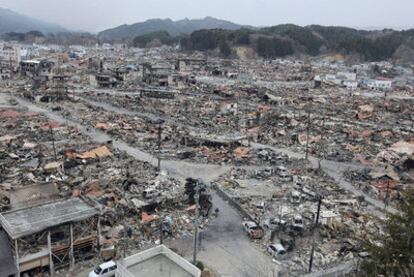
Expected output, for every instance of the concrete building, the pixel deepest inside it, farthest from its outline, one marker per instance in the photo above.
(49, 235)
(29, 67)
(10, 53)
(159, 261)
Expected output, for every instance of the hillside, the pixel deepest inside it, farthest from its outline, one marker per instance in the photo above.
(174, 28)
(11, 21)
(284, 40)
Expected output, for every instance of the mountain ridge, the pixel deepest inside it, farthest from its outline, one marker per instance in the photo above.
(174, 28)
(11, 21)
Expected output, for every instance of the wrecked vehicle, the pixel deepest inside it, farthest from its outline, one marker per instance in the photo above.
(276, 250)
(275, 224)
(253, 230)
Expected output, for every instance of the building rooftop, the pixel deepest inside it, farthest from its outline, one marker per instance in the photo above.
(31, 61)
(23, 222)
(159, 261)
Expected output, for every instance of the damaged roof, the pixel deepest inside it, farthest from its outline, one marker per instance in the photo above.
(20, 223)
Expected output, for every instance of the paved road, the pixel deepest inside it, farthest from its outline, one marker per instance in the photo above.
(225, 245)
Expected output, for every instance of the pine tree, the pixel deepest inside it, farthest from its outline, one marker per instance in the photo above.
(392, 253)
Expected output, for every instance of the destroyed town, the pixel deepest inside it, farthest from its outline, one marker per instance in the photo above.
(200, 147)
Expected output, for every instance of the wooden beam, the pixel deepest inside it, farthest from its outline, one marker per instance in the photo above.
(71, 255)
(16, 251)
(49, 246)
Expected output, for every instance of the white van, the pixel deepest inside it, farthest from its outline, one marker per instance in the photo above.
(104, 270)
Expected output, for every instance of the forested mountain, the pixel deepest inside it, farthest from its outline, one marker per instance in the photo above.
(283, 40)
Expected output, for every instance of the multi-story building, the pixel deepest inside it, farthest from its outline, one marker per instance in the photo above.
(10, 53)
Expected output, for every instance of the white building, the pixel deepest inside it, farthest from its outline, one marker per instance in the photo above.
(346, 76)
(10, 53)
(379, 84)
(352, 85)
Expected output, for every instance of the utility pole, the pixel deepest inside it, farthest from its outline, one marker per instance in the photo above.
(307, 134)
(321, 144)
(53, 142)
(313, 231)
(159, 145)
(196, 221)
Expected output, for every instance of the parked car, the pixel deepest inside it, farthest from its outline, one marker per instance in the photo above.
(104, 270)
(253, 230)
(276, 250)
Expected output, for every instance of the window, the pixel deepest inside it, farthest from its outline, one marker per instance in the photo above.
(104, 271)
(97, 270)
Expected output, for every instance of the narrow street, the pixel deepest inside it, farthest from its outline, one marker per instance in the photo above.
(225, 246)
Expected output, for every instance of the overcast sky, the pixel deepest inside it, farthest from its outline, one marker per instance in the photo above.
(96, 15)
